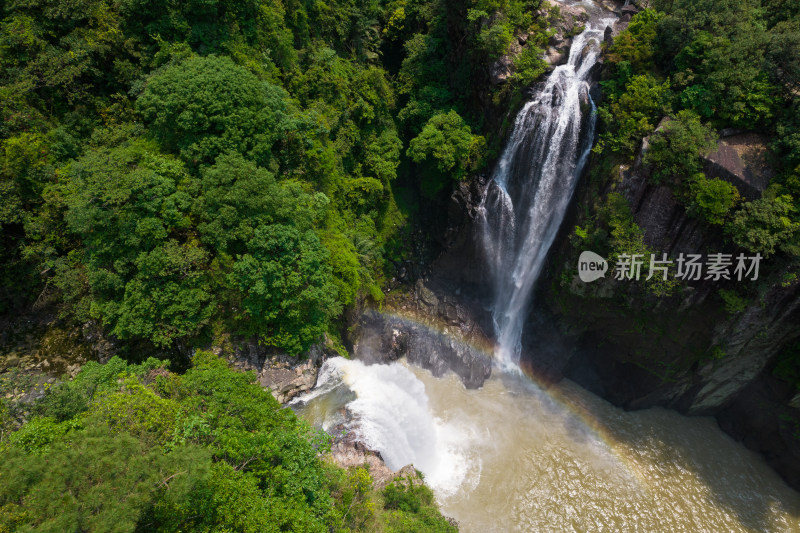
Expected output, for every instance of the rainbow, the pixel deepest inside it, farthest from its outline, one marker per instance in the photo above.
(588, 422)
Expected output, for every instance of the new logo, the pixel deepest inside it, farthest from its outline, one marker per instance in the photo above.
(591, 267)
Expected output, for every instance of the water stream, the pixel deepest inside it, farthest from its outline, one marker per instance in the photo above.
(513, 455)
(533, 184)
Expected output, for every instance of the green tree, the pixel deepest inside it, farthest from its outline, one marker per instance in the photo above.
(288, 295)
(763, 225)
(636, 45)
(633, 114)
(447, 148)
(410, 508)
(235, 197)
(675, 149)
(94, 480)
(202, 107)
(712, 198)
(143, 273)
(715, 52)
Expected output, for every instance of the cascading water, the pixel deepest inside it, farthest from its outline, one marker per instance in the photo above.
(390, 413)
(532, 186)
(513, 456)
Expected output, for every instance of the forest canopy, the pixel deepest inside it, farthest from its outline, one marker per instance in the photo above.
(177, 170)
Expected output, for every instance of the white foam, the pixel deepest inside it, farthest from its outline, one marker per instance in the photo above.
(392, 416)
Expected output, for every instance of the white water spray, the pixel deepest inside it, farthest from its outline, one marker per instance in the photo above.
(391, 415)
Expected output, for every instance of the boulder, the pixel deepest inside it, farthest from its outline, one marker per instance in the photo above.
(285, 376)
(440, 339)
(348, 450)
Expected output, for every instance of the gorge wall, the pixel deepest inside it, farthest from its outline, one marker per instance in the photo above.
(691, 351)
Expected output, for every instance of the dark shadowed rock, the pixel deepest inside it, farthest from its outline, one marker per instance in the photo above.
(765, 419)
(608, 38)
(741, 159)
(441, 346)
(501, 70)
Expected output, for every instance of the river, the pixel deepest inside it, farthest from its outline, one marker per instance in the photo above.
(514, 456)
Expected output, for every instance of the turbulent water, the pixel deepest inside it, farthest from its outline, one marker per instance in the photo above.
(533, 183)
(514, 457)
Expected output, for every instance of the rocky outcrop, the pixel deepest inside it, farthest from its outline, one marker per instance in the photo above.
(565, 20)
(348, 451)
(741, 158)
(686, 351)
(765, 418)
(40, 342)
(572, 20)
(286, 380)
(286, 377)
(627, 12)
(448, 342)
(503, 67)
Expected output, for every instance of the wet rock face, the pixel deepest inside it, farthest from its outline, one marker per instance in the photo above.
(750, 338)
(670, 362)
(573, 20)
(765, 420)
(383, 338)
(347, 450)
(686, 351)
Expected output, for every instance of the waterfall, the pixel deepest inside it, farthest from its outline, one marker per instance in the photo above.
(532, 186)
(391, 414)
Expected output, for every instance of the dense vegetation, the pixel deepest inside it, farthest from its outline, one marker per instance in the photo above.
(178, 171)
(677, 82)
(708, 66)
(138, 448)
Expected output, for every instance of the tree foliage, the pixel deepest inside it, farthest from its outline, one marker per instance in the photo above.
(149, 450)
(202, 107)
(713, 198)
(675, 149)
(764, 225)
(447, 145)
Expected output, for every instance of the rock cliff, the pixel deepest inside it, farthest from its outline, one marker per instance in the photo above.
(687, 351)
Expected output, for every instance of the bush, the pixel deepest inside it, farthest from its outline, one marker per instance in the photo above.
(734, 302)
(447, 147)
(633, 114)
(763, 225)
(676, 148)
(206, 451)
(411, 508)
(712, 199)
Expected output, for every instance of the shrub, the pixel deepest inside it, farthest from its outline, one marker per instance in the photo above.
(676, 148)
(763, 225)
(712, 199)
